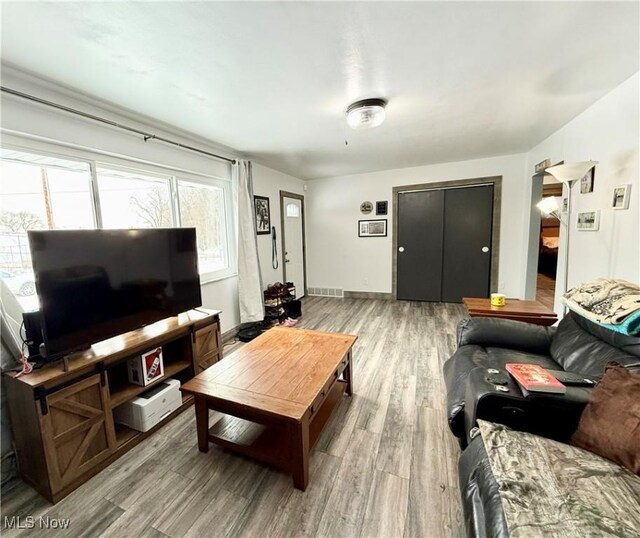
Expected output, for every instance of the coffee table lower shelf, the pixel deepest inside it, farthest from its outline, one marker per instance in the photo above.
(270, 443)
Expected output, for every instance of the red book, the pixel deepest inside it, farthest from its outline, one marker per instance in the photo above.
(534, 378)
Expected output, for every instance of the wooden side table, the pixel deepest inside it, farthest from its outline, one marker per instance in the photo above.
(515, 309)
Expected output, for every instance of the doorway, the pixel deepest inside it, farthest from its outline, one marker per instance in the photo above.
(293, 241)
(544, 242)
(446, 240)
(548, 246)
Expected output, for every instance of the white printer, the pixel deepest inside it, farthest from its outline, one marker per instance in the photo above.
(145, 411)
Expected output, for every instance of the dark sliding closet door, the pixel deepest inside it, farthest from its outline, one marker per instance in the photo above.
(466, 264)
(444, 244)
(420, 236)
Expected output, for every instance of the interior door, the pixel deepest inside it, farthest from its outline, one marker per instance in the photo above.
(420, 242)
(293, 244)
(466, 268)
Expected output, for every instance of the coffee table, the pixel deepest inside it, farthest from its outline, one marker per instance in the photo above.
(516, 309)
(276, 394)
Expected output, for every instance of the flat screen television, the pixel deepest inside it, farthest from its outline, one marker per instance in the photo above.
(96, 284)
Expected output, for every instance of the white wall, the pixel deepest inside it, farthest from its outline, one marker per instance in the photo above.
(338, 258)
(268, 182)
(606, 132)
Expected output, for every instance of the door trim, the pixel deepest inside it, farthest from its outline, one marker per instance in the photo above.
(496, 181)
(283, 195)
(533, 241)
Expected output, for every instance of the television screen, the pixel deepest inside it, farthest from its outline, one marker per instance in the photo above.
(95, 284)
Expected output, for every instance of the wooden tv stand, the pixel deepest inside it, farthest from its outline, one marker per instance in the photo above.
(63, 425)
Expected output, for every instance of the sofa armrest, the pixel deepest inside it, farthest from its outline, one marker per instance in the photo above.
(506, 333)
(555, 416)
(481, 502)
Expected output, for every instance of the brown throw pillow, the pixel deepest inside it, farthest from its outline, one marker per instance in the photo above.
(610, 423)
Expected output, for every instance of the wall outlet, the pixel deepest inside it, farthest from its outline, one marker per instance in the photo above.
(365, 281)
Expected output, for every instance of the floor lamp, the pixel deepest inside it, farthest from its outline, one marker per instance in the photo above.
(567, 174)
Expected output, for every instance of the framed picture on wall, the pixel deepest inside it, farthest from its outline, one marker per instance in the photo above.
(621, 195)
(263, 215)
(372, 228)
(588, 221)
(586, 183)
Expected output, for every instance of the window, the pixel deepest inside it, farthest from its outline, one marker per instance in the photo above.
(47, 191)
(203, 207)
(52, 192)
(37, 193)
(132, 200)
(292, 210)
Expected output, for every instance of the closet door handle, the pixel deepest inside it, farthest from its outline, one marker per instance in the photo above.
(401, 249)
(485, 249)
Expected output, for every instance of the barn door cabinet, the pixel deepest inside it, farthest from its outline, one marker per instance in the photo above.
(63, 422)
(207, 346)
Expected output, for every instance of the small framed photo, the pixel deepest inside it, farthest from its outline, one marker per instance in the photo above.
(621, 196)
(372, 228)
(381, 208)
(586, 183)
(263, 215)
(565, 205)
(588, 221)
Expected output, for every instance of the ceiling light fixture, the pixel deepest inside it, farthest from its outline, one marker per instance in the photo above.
(366, 114)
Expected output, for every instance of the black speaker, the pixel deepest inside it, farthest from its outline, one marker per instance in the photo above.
(33, 332)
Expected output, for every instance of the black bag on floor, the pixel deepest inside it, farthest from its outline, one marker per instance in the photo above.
(293, 309)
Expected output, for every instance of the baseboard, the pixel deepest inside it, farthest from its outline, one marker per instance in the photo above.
(230, 335)
(368, 295)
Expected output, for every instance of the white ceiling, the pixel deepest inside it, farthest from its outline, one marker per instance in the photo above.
(272, 80)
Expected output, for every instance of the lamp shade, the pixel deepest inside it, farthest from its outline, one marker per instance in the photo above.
(566, 173)
(548, 205)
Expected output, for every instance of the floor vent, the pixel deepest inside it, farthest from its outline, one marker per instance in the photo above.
(326, 292)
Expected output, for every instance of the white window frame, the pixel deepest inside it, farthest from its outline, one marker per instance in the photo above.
(96, 159)
(152, 175)
(229, 225)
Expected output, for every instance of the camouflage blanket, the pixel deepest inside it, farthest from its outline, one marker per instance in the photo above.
(604, 300)
(553, 489)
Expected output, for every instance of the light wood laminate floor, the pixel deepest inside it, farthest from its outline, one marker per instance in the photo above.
(385, 465)
(545, 290)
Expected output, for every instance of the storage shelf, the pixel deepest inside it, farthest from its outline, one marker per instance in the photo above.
(124, 393)
(254, 440)
(124, 434)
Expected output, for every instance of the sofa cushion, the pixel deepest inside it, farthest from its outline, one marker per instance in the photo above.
(610, 424)
(628, 344)
(577, 350)
(505, 333)
(550, 488)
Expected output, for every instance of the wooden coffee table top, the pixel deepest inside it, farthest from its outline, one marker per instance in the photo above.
(516, 309)
(281, 372)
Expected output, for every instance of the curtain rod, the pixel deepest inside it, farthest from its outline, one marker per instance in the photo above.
(145, 135)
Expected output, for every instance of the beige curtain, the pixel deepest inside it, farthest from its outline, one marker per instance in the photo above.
(249, 278)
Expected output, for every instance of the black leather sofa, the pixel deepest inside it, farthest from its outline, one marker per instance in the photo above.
(576, 345)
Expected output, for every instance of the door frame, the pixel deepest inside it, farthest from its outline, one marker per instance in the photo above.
(496, 181)
(283, 195)
(533, 240)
